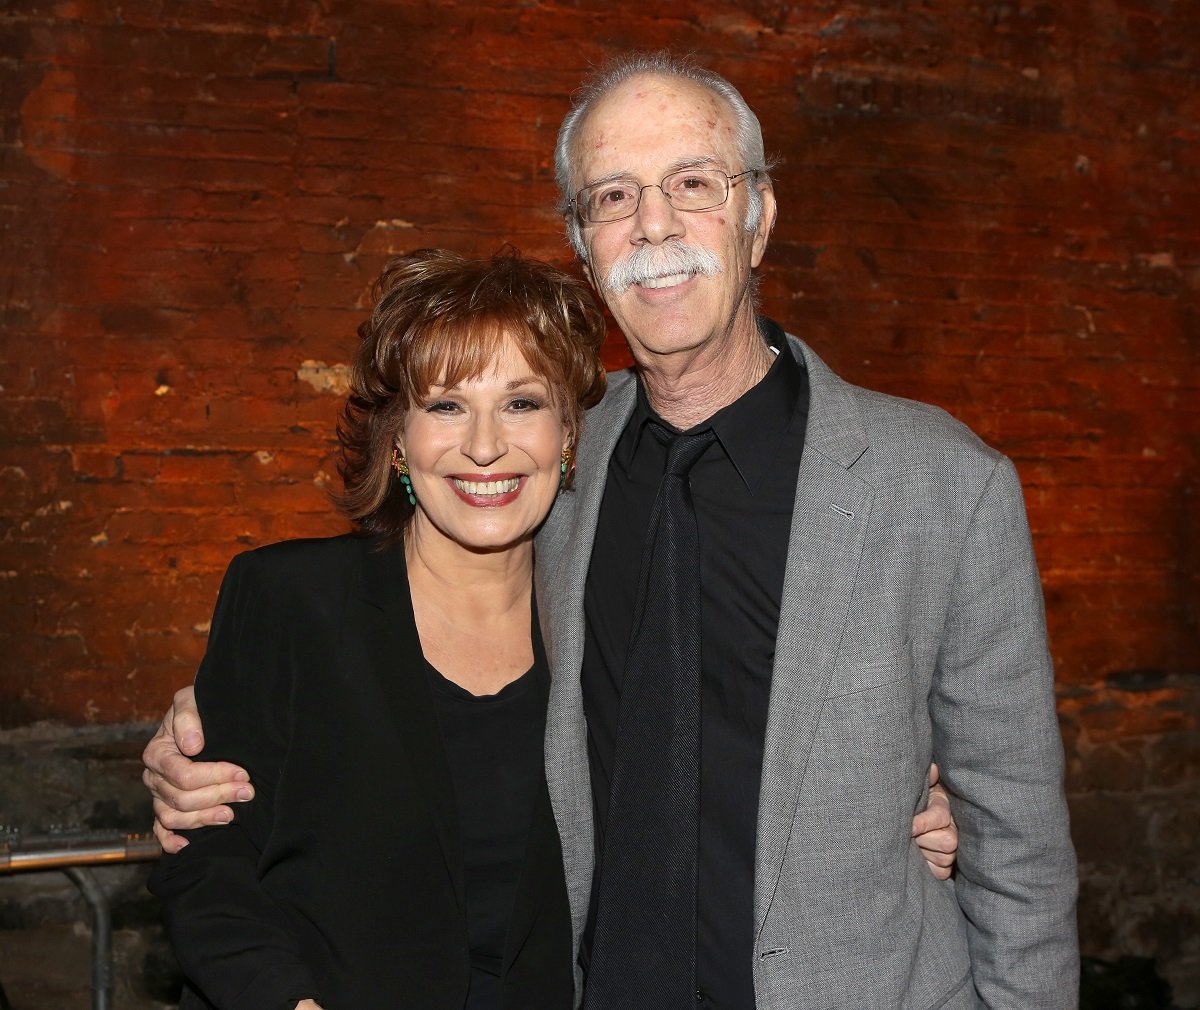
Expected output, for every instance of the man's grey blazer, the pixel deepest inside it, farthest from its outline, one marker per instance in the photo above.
(911, 629)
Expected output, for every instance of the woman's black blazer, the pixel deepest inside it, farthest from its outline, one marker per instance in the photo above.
(342, 879)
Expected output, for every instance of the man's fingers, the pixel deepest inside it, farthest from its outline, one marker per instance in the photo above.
(940, 872)
(939, 846)
(171, 819)
(935, 831)
(188, 794)
(934, 818)
(937, 840)
(171, 843)
(936, 815)
(194, 799)
(183, 722)
(938, 797)
(185, 775)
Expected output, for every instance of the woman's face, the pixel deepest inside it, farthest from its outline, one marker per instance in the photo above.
(484, 456)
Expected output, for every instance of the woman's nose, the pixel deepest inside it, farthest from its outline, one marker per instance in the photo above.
(485, 442)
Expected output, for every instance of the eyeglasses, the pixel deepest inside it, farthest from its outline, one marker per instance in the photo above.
(692, 189)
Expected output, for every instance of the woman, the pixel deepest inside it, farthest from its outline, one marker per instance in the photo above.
(414, 644)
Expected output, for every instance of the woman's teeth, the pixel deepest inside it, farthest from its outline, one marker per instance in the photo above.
(487, 487)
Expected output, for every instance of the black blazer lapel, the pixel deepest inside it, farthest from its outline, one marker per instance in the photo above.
(381, 629)
(543, 854)
(539, 930)
(543, 861)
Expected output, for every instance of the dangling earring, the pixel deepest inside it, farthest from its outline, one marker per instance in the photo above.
(400, 464)
(566, 466)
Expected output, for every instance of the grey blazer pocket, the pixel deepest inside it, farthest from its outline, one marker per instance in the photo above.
(860, 672)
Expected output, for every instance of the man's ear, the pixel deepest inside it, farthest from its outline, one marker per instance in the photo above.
(766, 222)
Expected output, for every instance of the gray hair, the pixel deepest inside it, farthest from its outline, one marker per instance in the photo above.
(748, 132)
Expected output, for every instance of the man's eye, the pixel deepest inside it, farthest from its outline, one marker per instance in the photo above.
(612, 196)
(692, 183)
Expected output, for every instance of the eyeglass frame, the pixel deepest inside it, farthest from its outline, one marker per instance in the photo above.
(730, 180)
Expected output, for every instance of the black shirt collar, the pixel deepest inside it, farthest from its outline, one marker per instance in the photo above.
(749, 429)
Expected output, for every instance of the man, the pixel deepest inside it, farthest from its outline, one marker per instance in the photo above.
(848, 590)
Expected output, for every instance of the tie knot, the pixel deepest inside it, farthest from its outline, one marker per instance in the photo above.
(684, 450)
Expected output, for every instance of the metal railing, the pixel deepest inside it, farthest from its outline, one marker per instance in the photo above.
(72, 853)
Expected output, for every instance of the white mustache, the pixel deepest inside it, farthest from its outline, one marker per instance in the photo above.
(647, 262)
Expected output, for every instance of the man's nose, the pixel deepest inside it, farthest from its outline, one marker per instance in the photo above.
(656, 220)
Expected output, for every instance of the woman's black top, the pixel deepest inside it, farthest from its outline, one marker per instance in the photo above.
(494, 746)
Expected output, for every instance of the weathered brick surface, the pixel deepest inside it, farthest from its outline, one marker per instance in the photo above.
(990, 206)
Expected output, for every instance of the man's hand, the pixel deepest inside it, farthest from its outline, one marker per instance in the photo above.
(188, 794)
(934, 829)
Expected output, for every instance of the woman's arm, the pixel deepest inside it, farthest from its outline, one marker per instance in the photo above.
(232, 939)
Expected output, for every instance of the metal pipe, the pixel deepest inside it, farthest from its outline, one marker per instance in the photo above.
(94, 895)
(49, 852)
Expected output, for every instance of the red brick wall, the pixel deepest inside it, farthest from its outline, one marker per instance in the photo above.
(990, 206)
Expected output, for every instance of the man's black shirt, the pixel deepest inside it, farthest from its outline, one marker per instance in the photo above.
(744, 489)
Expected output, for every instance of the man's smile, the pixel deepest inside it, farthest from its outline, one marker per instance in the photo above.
(667, 281)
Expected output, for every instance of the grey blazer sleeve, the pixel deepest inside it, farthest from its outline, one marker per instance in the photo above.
(997, 741)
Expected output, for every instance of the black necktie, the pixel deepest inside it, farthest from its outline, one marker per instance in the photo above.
(644, 946)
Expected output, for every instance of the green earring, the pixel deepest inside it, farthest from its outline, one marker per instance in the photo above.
(400, 464)
(566, 465)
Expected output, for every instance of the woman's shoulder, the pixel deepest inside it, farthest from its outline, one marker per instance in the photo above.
(301, 584)
(322, 561)
(307, 549)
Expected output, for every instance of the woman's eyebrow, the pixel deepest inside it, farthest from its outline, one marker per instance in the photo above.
(529, 380)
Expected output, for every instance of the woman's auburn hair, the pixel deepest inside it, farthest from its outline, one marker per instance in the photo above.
(442, 319)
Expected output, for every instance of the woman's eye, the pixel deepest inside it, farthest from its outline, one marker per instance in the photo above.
(525, 403)
(442, 407)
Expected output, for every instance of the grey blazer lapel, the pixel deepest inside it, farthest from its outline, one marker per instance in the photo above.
(563, 552)
(833, 507)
